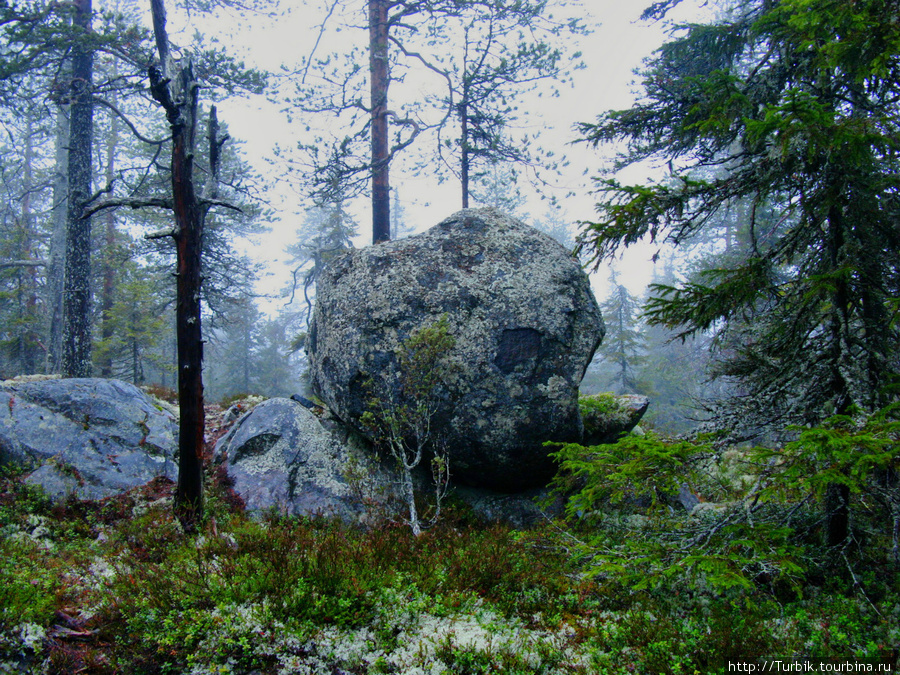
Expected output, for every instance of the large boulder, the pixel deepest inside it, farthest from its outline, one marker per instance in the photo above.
(280, 457)
(525, 324)
(92, 438)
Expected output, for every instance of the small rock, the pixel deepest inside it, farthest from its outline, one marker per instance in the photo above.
(607, 417)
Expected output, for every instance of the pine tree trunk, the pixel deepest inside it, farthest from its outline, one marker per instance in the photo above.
(109, 269)
(379, 81)
(245, 384)
(57, 259)
(136, 370)
(76, 356)
(464, 152)
(28, 283)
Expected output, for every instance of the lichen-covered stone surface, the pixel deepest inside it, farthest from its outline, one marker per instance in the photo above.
(525, 324)
(280, 456)
(92, 438)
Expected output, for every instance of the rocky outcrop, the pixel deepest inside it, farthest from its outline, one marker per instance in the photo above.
(280, 457)
(91, 437)
(283, 457)
(525, 325)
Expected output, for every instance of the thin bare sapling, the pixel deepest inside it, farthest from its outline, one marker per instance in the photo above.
(401, 417)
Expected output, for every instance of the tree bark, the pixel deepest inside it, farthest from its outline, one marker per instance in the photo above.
(379, 80)
(108, 259)
(57, 257)
(28, 284)
(177, 92)
(464, 137)
(76, 356)
(464, 152)
(188, 235)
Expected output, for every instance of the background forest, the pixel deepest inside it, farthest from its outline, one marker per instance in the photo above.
(757, 165)
(469, 132)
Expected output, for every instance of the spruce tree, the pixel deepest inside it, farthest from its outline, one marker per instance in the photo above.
(623, 346)
(796, 101)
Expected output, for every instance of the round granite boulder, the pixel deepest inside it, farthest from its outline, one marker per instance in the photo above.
(525, 325)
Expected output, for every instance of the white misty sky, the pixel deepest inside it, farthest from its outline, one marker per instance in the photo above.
(612, 52)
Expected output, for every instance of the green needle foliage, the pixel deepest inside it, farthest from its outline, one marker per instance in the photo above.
(637, 468)
(760, 525)
(788, 110)
(861, 453)
(623, 499)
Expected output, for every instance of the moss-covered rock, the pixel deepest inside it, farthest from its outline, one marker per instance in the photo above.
(607, 417)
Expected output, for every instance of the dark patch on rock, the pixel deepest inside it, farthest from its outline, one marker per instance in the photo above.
(258, 444)
(521, 510)
(302, 400)
(517, 346)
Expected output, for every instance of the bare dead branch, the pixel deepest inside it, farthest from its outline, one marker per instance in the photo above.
(23, 263)
(418, 56)
(217, 202)
(130, 203)
(129, 124)
(312, 52)
(160, 234)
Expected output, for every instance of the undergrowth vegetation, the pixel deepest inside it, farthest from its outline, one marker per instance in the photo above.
(624, 584)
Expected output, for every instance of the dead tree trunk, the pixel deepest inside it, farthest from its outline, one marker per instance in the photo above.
(177, 92)
(379, 79)
(188, 240)
(76, 356)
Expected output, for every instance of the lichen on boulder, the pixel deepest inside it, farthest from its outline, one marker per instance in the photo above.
(280, 457)
(525, 325)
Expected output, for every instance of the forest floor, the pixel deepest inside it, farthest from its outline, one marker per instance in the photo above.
(116, 586)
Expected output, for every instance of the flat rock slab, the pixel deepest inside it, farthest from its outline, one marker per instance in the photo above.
(93, 438)
(525, 325)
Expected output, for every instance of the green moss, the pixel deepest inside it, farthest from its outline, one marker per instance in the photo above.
(601, 412)
(28, 585)
(308, 595)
